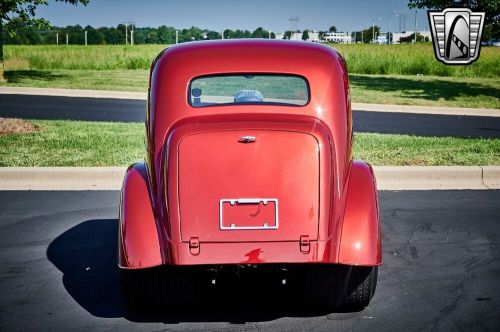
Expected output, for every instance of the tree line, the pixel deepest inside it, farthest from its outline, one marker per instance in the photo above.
(29, 34)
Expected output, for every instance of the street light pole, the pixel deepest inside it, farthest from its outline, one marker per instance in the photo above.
(126, 34)
(390, 34)
(177, 36)
(85, 38)
(373, 31)
(57, 38)
(415, 39)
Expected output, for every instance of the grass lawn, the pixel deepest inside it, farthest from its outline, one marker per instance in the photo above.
(76, 143)
(426, 90)
(392, 74)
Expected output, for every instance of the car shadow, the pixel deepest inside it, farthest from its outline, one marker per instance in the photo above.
(430, 90)
(86, 255)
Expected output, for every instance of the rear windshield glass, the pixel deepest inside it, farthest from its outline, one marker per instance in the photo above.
(248, 89)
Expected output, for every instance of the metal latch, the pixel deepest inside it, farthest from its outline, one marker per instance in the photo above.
(194, 246)
(304, 244)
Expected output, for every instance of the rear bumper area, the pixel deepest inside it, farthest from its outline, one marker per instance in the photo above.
(252, 253)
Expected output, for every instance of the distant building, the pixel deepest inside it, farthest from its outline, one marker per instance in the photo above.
(313, 36)
(381, 40)
(338, 37)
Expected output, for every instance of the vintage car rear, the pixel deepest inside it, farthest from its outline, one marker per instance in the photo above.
(249, 164)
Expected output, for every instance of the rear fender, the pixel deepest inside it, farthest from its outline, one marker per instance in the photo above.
(360, 242)
(138, 242)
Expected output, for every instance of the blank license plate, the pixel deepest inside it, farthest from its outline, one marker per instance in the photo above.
(248, 213)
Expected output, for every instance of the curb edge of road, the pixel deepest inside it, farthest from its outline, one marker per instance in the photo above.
(127, 95)
(388, 178)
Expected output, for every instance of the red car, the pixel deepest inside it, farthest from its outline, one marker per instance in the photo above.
(249, 165)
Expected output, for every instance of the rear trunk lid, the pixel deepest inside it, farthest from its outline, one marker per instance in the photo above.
(248, 185)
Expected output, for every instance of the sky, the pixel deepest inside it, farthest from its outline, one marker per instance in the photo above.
(218, 15)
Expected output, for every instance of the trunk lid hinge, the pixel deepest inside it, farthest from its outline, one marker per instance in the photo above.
(304, 244)
(194, 246)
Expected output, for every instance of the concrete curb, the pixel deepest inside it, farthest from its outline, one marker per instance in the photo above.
(388, 178)
(461, 111)
(355, 106)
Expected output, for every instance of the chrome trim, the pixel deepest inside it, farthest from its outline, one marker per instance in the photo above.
(247, 139)
(233, 201)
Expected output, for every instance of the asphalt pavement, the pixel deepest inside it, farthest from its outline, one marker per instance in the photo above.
(441, 270)
(102, 109)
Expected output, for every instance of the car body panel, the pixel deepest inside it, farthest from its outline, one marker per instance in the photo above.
(360, 242)
(194, 160)
(138, 243)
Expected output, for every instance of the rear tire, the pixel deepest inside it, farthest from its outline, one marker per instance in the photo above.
(340, 287)
(164, 285)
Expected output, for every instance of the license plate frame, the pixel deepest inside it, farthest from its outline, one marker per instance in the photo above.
(246, 202)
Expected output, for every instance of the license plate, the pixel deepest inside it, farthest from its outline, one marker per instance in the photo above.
(248, 213)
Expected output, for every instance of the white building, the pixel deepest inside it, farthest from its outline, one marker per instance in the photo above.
(313, 36)
(338, 37)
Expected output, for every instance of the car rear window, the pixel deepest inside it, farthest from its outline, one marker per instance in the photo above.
(248, 89)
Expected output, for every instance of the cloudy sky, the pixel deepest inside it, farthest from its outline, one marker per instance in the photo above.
(236, 14)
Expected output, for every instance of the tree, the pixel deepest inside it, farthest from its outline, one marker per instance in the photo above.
(411, 38)
(305, 35)
(287, 35)
(23, 10)
(332, 29)
(490, 7)
(211, 35)
(260, 33)
(229, 34)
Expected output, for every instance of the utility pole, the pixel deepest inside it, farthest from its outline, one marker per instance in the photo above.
(269, 34)
(373, 31)
(132, 34)
(415, 39)
(57, 38)
(127, 22)
(67, 39)
(389, 40)
(176, 36)
(222, 34)
(85, 38)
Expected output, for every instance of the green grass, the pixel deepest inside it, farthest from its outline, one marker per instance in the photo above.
(426, 90)
(407, 59)
(400, 150)
(75, 143)
(414, 59)
(115, 80)
(391, 74)
(80, 57)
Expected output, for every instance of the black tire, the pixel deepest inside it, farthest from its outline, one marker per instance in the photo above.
(359, 287)
(169, 286)
(340, 287)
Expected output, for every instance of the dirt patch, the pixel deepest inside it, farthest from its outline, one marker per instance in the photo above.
(16, 126)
